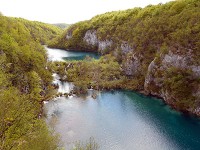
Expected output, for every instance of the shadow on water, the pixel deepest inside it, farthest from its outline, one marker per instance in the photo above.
(181, 128)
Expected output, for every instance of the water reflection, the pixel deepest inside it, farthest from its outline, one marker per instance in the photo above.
(63, 55)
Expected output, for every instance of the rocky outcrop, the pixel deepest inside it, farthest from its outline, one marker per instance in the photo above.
(69, 35)
(125, 47)
(103, 45)
(154, 80)
(178, 60)
(182, 61)
(132, 62)
(131, 65)
(150, 80)
(196, 70)
(91, 38)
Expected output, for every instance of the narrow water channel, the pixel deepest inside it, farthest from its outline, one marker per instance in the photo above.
(119, 120)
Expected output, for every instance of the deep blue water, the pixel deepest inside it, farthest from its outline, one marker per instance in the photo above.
(122, 120)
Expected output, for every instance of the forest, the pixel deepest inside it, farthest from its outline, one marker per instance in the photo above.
(25, 82)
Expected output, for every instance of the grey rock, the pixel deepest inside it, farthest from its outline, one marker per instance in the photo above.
(149, 78)
(125, 47)
(131, 65)
(91, 38)
(196, 70)
(102, 45)
(177, 60)
(69, 35)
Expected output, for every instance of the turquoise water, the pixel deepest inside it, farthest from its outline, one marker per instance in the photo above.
(62, 55)
(122, 120)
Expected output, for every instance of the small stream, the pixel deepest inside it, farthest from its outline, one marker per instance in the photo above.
(118, 120)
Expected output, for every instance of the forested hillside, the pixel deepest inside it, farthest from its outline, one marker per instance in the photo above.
(24, 83)
(157, 47)
(39, 31)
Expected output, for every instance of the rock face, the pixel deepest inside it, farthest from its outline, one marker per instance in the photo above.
(103, 45)
(154, 82)
(69, 35)
(131, 65)
(196, 70)
(91, 39)
(179, 61)
(125, 47)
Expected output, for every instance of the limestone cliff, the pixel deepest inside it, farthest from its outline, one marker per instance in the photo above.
(178, 72)
(91, 38)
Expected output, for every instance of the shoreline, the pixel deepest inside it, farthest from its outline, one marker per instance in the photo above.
(142, 92)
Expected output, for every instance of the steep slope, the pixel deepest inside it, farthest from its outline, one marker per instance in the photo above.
(157, 46)
(24, 83)
(39, 31)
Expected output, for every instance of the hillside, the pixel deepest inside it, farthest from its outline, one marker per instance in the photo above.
(24, 83)
(157, 47)
(39, 31)
(61, 25)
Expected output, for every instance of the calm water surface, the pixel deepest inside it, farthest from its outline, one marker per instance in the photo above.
(121, 120)
(62, 55)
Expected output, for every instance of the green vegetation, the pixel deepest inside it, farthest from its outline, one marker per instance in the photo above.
(24, 83)
(179, 83)
(103, 74)
(139, 36)
(98, 74)
(144, 29)
(39, 31)
(91, 145)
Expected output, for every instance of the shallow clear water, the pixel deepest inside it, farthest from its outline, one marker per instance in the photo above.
(122, 120)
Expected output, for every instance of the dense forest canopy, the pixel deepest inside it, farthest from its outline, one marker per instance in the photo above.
(24, 83)
(39, 31)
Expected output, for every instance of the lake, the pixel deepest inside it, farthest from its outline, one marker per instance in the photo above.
(119, 120)
(63, 55)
